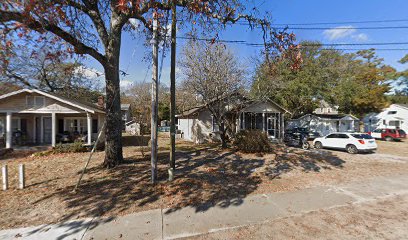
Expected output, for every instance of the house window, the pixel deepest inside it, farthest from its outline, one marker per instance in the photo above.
(29, 101)
(2, 123)
(384, 122)
(392, 112)
(79, 125)
(23, 126)
(94, 125)
(15, 124)
(83, 126)
(39, 101)
(71, 125)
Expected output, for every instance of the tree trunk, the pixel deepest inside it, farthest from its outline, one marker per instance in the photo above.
(113, 133)
(223, 136)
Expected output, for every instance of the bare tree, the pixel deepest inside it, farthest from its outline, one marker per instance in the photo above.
(49, 71)
(139, 95)
(185, 98)
(215, 75)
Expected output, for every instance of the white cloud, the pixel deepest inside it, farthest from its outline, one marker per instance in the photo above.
(125, 84)
(343, 32)
(339, 32)
(90, 73)
(135, 23)
(361, 37)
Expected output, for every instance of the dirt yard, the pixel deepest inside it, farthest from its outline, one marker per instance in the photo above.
(205, 176)
(382, 219)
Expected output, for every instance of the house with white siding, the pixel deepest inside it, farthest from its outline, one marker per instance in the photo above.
(395, 116)
(34, 117)
(326, 123)
(198, 125)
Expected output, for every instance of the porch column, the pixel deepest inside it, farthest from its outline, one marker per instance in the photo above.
(263, 122)
(238, 126)
(283, 125)
(89, 118)
(8, 130)
(53, 129)
(243, 121)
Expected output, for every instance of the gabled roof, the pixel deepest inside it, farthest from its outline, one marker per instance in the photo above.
(328, 116)
(245, 103)
(89, 107)
(268, 100)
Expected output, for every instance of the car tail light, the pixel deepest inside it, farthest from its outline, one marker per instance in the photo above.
(361, 141)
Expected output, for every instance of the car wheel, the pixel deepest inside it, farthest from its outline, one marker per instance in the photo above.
(388, 138)
(351, 149)
(305, 146)
(318, 145)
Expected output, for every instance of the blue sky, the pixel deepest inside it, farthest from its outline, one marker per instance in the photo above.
(289, 12)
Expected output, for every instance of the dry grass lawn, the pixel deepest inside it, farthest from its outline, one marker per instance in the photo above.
(205, 176)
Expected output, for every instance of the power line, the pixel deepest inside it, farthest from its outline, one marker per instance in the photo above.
(322, 44)
(339, 28)
(282, 25)
(342, 22)
(242, 42)
(361, 49)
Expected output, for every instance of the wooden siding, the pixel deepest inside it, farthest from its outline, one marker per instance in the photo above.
(18, 103)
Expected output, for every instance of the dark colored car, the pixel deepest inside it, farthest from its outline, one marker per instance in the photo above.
(296, 139)
(310, 135)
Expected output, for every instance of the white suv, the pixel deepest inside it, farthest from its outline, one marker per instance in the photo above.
(351, 142)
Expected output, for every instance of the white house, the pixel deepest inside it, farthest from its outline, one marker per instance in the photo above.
(132, 127)
(126, 111)
(198, 125)
(37, 117)
(326, 123)
(394, 116)
(326, 108)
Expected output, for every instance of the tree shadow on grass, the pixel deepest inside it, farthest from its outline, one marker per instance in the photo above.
(215, 179)
(310, 160)
(203, 180)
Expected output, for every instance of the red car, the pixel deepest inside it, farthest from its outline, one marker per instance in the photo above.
(388, 134)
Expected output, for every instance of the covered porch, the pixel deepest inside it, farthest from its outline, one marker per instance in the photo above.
(347, 124)
(32, 129)
(271, 123)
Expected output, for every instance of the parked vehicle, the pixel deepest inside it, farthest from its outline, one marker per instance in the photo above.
(388, 134)
(310, 134)
(297, 139)
(351, 142)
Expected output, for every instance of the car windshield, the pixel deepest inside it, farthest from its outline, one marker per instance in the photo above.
(362, 136)
(401, 132)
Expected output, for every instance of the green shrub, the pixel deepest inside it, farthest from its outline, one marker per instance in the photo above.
(252, 141)
(75, 147)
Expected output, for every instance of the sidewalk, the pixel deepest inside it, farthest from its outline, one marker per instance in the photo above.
(162, 224)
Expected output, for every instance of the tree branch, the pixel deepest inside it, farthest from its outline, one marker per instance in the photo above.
(80, 48)
(91, 9)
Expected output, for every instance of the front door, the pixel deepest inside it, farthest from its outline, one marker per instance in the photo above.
(47, 124)
(272, 127)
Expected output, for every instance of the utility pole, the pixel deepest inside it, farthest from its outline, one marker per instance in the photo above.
(173, 92)
(155, 89)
